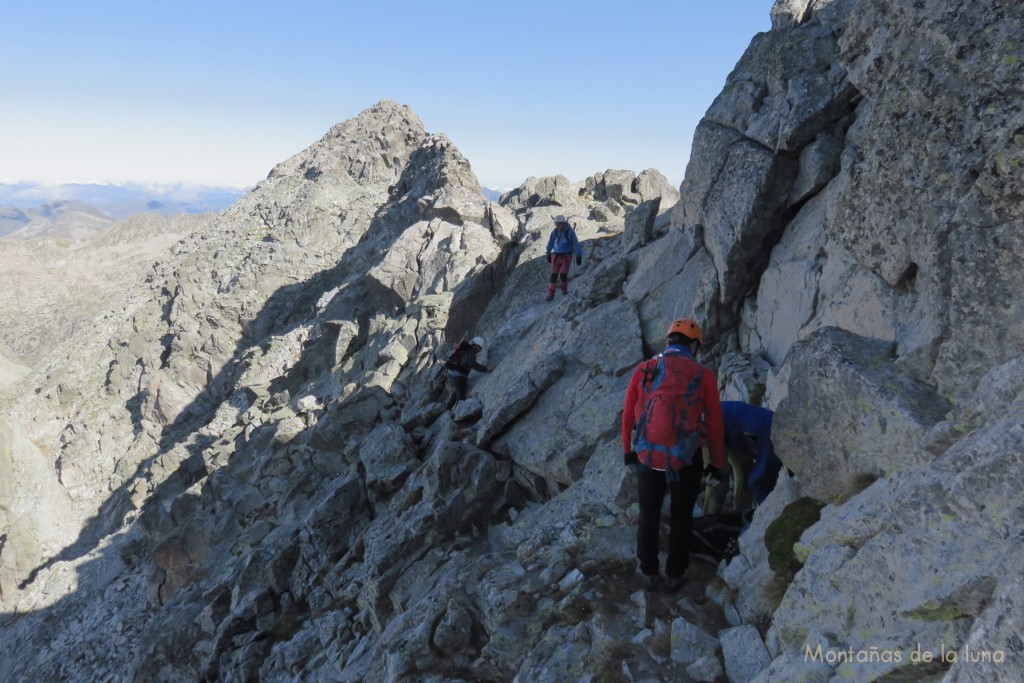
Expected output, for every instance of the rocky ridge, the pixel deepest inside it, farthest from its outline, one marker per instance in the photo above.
(288, 499)
(51, 288)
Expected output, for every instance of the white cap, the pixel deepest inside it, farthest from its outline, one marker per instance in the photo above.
(477, 341)
(560, 219)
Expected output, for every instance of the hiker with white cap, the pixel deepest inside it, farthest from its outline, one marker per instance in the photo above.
(461, 360)
(561, 245)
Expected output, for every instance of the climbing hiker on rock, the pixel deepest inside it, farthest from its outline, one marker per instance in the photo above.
(461, 360)
(561, 245)
(751, 455)
(671, 411)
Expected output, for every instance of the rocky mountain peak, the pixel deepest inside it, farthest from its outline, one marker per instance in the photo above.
(369, 149)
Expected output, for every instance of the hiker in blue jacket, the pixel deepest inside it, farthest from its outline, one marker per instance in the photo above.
(561, 245)
(750, 452)
(462, 360)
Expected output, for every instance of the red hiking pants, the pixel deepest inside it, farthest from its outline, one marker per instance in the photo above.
(560, 269)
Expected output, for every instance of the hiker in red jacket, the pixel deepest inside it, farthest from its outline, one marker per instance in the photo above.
(671, 411)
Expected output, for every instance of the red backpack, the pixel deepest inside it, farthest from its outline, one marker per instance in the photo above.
(670, 429)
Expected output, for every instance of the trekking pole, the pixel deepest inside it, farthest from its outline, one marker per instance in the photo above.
(709, 499)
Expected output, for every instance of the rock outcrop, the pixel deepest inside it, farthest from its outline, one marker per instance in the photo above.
(246, 470)
(869, 277)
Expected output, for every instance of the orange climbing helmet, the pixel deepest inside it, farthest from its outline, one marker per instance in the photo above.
(687, 328)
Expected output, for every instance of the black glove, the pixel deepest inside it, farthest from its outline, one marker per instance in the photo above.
(629, 459)
(712, 472)
(579, 260)
(549, 257)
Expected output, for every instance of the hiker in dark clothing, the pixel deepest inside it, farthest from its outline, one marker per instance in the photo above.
(561, 245)
(459, 364)
(671, 411)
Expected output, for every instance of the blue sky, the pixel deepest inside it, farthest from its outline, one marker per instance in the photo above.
(218, 92)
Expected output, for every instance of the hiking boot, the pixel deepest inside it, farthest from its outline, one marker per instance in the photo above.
(550, 297)
(674, 584)
(649, 582)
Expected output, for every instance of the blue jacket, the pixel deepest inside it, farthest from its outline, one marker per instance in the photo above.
(564, 242)
(748, 429)
(742, 419)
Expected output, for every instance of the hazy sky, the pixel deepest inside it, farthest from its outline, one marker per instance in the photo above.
(219, 91)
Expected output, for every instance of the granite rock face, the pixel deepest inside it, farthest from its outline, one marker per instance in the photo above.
(878, 427)
(245, 470)
(870, 277)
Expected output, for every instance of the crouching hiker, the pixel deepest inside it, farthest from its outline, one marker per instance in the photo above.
(561, 245)
(751, 455)
(671, 411)
(460, 361)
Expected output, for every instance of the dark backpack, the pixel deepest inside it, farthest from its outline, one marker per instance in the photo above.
(670, 422)
(717, 535)
(454, 359)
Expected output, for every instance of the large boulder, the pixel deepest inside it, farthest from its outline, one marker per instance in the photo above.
(639, 228)
(535, 192)
(431, 257)
(652, 183)
(940, 535)
(551, 410)
(852, 415)
(769, 141)
(811, 282)
(520, 394)
(388, 457)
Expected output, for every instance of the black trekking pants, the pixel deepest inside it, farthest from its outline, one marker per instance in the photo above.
(652, 486)
(460, 388)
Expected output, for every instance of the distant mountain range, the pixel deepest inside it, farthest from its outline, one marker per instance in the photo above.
(493, 194)
(77, 210)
